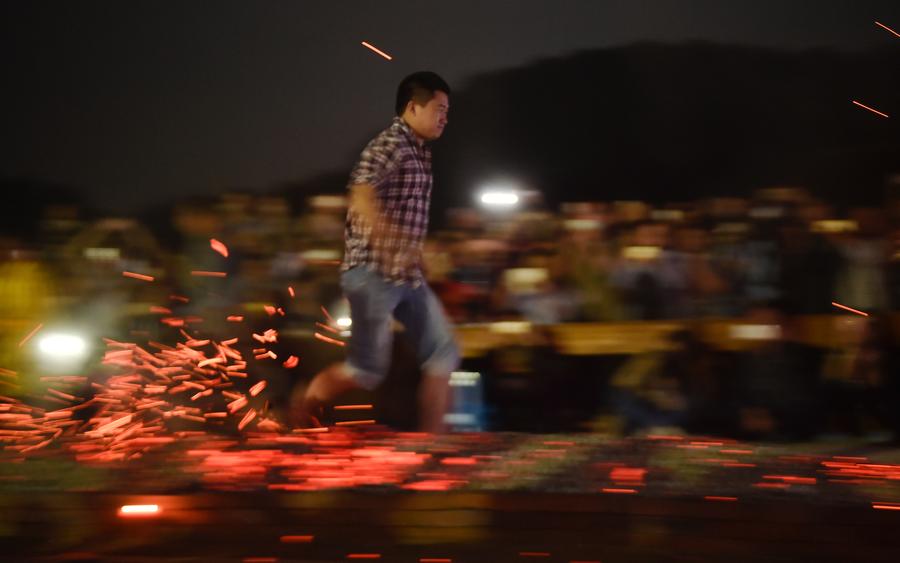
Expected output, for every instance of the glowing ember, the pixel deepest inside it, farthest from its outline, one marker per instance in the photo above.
(257, 389)
(30, 334)
(887, 28)
(141, 277)
(849, 309)
(219, 247)
(205, 274)
(375, 49)
(297, 539)
(324, 338)
(870, 109)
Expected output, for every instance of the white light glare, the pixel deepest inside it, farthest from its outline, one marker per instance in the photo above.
(344, 322)
(63, 346)
(499, 198)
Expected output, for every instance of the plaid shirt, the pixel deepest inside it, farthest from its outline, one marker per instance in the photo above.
(400, 171)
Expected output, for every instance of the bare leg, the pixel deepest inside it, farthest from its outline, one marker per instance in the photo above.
(308, 402)
(434, 400)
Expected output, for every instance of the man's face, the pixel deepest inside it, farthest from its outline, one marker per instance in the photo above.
(428, 121)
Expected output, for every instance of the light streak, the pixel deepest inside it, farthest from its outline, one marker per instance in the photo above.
(327, 316)
(887, 28)
(219, 247)
(30, 334)
(235, 319)
(139, 510)
(352, 407)
(377, 50)
(291, 291)
(141, 277)
(206, 274)
(291, 362)
(324, 338)
(328, 328)
(849, 309)
(297, 539)
(251, 414)
(256, 389)
(870, 109)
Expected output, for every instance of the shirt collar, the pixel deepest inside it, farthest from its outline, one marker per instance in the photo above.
(404, 126)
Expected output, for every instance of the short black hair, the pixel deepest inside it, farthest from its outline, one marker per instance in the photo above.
(419, 87)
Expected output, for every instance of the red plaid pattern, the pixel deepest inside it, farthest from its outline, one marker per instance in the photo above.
(400, 171)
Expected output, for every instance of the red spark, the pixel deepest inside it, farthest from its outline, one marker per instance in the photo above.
(8, 372)
(618, 491)
(256, 389)
(291, 291)
(235, 319)
(375, 49)
(269, 309)
(141, 277)
(434, 560)
(850, 309)
(870, 109)
(720, 498)
(533, 554)
(205, 274)
(179, 298)
(297, 539)
(30, 334)
(251, 414)
(324, 338)
(229, 342)
(219, 247)
(352, 407)
(291, 362)
(886, 505)
(327, 316)
(237, 404)
(887, 28)
(354, 422)
(162, 310)
(363, 556)
(328, 328)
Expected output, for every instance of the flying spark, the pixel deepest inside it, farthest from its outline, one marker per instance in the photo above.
(380, 52)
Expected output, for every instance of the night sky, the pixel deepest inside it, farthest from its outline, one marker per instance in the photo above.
(137, 103)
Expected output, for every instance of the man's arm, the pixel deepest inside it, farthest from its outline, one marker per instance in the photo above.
(364, 202)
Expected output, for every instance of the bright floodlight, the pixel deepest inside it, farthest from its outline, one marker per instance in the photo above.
(497, 198)
(344, 322)
(62, 346)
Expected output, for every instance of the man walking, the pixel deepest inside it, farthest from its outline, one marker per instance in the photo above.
(381, 273)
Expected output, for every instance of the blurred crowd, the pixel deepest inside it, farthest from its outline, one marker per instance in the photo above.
(773, 257)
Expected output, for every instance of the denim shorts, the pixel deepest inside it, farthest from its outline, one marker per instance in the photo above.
(373, 303)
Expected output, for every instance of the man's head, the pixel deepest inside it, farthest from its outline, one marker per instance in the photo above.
(423, 100)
